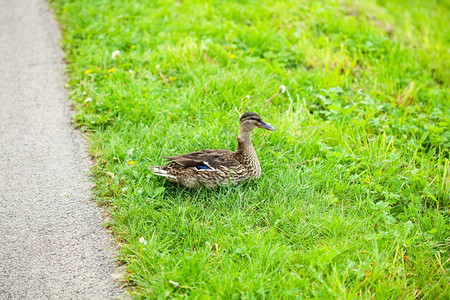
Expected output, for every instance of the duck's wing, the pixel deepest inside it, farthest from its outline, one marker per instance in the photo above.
(205, 159)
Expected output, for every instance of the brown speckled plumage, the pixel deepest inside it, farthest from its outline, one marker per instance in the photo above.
(212, 168)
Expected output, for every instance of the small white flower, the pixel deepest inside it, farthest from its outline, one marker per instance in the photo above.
(124, 190)
(115, 54)
(175, 284)
(248, 96)
(110, 174)
(84, 94)
(157, 67)
(130, 152)
(87, 100)
(282, 89)
(142, 241)
(130, 71)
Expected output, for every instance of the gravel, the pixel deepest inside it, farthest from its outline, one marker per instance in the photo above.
(52, 244)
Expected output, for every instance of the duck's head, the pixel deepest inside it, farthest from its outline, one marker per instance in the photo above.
(251, 120)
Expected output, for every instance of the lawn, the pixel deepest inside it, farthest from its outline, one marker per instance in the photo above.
(353, 201)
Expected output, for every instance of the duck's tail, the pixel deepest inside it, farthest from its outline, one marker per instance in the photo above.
(160, 172)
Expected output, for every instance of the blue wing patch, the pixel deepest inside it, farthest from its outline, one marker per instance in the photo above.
(203, 167)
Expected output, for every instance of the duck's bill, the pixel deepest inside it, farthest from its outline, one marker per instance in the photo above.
(266, 126)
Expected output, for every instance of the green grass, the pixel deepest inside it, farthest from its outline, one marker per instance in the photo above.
(354, 197)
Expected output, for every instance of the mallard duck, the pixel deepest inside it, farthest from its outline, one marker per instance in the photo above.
(213, 168)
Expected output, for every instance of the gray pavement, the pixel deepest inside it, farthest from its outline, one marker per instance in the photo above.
(52, 245)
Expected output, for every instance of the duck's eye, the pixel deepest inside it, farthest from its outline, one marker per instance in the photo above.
(255, 120)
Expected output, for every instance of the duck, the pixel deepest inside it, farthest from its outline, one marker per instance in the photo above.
(218, 167)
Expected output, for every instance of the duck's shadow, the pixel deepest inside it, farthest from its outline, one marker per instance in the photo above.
(180, 194)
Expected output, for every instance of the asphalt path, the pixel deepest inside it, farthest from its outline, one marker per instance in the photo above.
(52, 244)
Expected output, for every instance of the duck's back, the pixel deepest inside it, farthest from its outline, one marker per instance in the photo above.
(205, 158)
